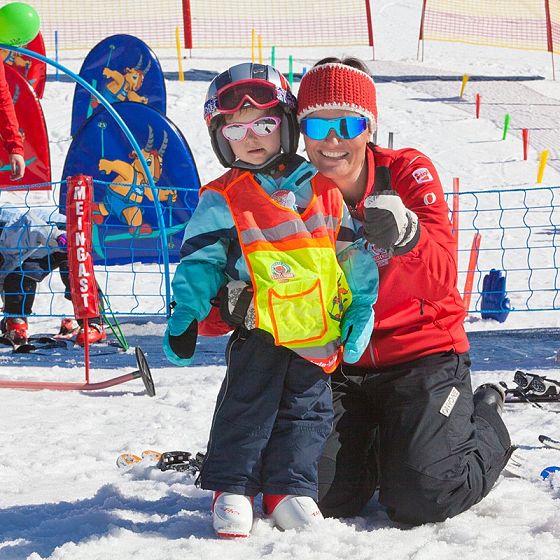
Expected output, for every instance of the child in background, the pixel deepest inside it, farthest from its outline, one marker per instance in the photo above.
(33, 243)
(281, 238)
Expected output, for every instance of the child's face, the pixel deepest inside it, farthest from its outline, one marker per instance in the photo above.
(253, 149)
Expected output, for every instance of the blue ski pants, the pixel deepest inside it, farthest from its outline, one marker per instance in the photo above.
(272, 417)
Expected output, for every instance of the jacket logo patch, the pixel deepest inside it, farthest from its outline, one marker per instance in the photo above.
(449, 403)
(422, 175)
(380, 256)
(429, 198)
(281, 272)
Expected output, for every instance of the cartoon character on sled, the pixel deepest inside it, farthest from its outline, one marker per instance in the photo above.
(125, 194)
(13, 58)
(124, 86)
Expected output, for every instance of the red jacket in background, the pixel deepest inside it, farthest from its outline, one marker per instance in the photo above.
(419, 310)
(9, 127)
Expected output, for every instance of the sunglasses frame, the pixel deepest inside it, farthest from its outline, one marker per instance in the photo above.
(335, 124)
(250, 125)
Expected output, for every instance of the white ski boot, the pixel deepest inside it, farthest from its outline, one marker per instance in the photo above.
(232, 515)
(291, 512)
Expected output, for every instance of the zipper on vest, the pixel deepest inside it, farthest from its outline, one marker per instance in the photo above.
(421, 307)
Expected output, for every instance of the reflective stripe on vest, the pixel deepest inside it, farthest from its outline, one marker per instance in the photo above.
(301, 293)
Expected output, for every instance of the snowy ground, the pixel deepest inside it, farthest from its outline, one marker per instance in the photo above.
(62, 496)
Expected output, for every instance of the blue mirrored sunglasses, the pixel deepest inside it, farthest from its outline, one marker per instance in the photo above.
(344, 127)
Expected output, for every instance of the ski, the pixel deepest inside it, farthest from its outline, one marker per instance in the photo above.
(181, 461)
(128, 460)
(532, 389)
(46, 341)
(513, 396)
(516, 466)
(549, 442)
(24, 348)
(36, 342)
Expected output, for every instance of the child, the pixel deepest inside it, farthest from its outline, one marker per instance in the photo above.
(32, 244)
(269, 224)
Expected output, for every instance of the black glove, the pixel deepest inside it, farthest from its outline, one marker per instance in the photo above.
(388, 224)
(184, 345)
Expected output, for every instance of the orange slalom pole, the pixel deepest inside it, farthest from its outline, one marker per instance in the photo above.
(477, 104)
(473, 259)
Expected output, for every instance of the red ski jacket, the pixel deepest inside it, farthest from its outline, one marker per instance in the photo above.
(9, 127)
(419, 310)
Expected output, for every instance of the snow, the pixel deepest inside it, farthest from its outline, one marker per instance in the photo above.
(62, 495)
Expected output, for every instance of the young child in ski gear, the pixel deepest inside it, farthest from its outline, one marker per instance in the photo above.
(33, 243)
(273, 225)
(406, 420)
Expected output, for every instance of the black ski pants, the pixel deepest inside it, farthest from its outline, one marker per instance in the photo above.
(20, 286)
(397, 430)
(272, 418)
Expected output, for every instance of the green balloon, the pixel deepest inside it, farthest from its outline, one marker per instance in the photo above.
(19, 24)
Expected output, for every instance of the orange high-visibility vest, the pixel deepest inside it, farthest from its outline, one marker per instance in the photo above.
(300, 291)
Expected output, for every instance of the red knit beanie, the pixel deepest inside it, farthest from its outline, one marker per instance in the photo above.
(337, 86)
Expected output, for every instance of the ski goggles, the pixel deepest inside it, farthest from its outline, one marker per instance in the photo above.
(263, 126)
(344, 127)
(258, 93)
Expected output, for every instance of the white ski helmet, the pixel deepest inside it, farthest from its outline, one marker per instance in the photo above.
(261, 86)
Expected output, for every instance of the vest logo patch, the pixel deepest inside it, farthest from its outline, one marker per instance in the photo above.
(422, 175)
(281, 272)
(450, 401)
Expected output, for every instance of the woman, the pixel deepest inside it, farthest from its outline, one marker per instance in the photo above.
(406, 420)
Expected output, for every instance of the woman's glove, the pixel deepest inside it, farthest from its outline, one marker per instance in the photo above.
(179, 350)
(388, 224)
(357, 326)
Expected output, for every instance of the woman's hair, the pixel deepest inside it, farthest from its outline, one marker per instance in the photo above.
(351, 61)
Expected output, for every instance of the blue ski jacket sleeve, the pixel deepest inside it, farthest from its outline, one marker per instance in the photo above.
(25, 233)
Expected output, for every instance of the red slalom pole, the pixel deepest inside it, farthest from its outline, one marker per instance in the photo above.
(525, 137)
(477, 104)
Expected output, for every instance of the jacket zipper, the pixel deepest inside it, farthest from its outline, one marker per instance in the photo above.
(371, 353)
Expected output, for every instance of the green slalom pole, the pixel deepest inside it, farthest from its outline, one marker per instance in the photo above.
(114, 326)
(506, 126)
(291, 72)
